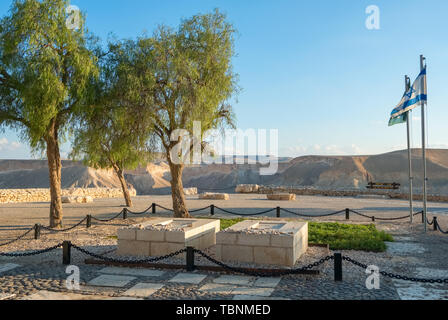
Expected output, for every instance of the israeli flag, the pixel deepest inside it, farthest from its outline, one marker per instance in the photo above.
(416, 95)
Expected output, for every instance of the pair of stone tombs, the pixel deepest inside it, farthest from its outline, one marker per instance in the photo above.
(271, 242)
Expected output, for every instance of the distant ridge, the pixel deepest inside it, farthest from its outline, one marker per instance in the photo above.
(321, 172)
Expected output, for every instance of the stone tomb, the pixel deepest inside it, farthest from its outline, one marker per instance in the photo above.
(265, 242)
(161, 236)
(281, 196)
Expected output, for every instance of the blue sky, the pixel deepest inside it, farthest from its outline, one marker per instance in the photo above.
(308, 68)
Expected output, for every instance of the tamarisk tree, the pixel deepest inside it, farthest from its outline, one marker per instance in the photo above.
(182, 76)
(112, 134)
(45, 68)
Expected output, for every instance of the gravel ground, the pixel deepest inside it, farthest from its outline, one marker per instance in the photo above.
(414, 250)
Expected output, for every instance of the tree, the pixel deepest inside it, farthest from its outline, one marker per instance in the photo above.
(182, 76)
(44, 71)
(111, 134)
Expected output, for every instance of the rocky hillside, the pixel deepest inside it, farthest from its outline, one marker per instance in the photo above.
(321, 172)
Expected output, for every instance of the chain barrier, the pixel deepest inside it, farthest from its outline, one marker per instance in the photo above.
(115, 260)
(395, 276)
(263, 274)
(64, 230)
(18, 238)
(440, 229)
(312, 216)
(245, 214)
(164, 208)
(384, 219)
(32, 253)
(197, 210)
(138, 213)
(108, 220)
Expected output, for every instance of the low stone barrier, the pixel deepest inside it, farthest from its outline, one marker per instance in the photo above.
(281, 196)
(43, 195)
(247, 188)
(190, 191)
(214, 196)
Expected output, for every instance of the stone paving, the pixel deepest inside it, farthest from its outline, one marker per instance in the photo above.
(413, 254)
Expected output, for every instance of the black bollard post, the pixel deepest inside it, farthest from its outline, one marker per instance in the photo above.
(153, 208)
(125, 213)
(89, 221)
(337, 267)
(66, 252)
(373, 219)
(190, 259)
(347, 214)
(435, 223)
(36, 231)
(278, 212)
(212, 210)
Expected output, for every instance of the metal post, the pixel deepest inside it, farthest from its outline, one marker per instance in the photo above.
(125, 214)
(422, 59)
(212, 210)
(408, 126)
(190, 259)
(435, 223)
(66, 252)
(337, 267)
(347, 214)
(373, 219)
(89, 221)
(278, 212)
(36, 231)
(153, 208)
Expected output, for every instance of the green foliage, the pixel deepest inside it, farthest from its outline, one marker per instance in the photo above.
(339, 236)
(348, 236)
(44, 69)
(111, 133)
(180, 76)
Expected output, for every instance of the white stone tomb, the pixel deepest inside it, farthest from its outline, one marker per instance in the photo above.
(270, 242)
(161, 236)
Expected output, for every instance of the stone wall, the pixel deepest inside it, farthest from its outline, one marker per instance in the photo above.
(43, 195)
(348, 193)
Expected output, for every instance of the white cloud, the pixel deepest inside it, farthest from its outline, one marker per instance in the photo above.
(5, 145)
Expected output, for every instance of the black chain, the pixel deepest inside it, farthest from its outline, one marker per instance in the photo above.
(263, 274)
(385, 219)
(18, 238)
(164, 208)
(64, 230)
(197, 210)
(107, 220)
(138, 213)
(32, 253)
(395, 276)
(115, 260)
(245, 214)
(312, 216)
(440, 229)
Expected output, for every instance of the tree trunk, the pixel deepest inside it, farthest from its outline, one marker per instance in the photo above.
(124, 186)
(177, 191)
(54, 167)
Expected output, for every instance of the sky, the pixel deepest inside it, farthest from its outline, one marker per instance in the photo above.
(311, 69)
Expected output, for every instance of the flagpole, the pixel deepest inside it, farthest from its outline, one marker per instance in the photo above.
(422, 59)
(411, 207)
